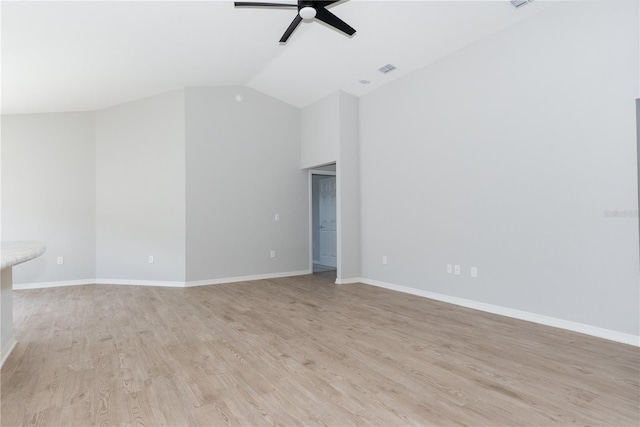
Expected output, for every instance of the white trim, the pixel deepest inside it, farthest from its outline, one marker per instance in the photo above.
(128, 282)
(6, 351)
(319, 172)
(247, 278)
(338, 224)
(489, 308)
(40, 285)
(162, 283)
(595, 331)
(349, 281)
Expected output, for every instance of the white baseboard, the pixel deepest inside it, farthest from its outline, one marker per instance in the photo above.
(595, 331)
(489, 308)
(128, 282)
(349, 281)
(160, 283)
(6, 351)
(40, 285)
(246, 278)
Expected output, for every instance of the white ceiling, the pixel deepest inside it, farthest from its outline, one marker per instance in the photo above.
(87, 55)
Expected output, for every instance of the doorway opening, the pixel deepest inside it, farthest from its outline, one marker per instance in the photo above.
(324, 245)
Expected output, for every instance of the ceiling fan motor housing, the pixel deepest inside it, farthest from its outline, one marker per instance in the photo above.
(306, 9)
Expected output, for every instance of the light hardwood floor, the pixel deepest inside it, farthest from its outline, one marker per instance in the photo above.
(297, 351)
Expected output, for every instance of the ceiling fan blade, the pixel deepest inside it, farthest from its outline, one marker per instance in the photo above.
(329, 18)
(260, 4)
(324, 3)
(294, 24)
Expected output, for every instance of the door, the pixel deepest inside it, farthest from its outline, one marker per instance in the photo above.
(327, 217)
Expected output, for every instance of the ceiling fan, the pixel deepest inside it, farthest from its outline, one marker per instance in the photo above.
(306, 10)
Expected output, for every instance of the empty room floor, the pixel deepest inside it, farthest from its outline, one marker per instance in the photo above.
(297, 351)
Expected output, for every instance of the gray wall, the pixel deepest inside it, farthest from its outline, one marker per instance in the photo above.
(320, 132)
(140, 185)
(506, 155)
(348, 183)
(243, 167)
(48, 192)
(638, 153)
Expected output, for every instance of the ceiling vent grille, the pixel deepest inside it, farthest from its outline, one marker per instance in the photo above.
(520, 3)
(387, 68)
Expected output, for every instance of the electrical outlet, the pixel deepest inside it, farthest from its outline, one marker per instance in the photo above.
(449, 269)
(474, 271)
(456, 269)
(60, 260)
(384, 259)
(277, 217)
(150, 259)
(273, 254)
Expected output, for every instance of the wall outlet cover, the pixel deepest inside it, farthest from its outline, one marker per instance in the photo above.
(474, 271)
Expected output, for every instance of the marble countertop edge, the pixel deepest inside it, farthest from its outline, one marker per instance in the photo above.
(17, 252)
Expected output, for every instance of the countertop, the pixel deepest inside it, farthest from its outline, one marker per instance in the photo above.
(17, 252)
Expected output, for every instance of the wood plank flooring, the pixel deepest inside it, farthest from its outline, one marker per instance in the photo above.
(300, 351)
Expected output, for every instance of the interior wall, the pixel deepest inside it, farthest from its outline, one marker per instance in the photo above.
(48, 192)
(638, 154)
(140, 186)
(513, 155)
(320, 132)
(348, 182)
(243, 167)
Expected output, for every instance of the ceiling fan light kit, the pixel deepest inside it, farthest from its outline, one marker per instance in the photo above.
(306, 10)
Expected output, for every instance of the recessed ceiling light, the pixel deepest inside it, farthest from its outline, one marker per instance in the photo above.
(364, 82)
(387, 68)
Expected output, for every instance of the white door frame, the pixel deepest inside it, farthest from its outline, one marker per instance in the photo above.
(328, 173)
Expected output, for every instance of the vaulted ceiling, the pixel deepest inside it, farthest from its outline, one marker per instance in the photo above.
(87, 55)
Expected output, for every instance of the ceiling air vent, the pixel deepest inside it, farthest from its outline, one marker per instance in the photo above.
(387, 68)
(520, 3)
